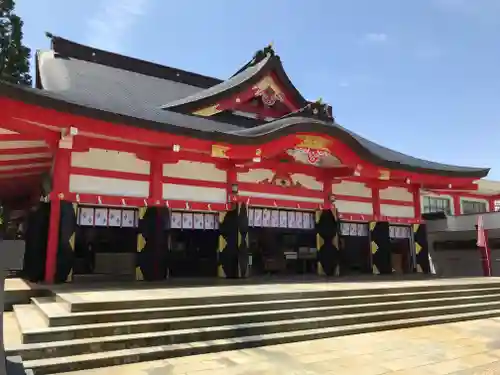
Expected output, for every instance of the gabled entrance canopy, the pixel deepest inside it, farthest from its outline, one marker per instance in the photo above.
(261, 87)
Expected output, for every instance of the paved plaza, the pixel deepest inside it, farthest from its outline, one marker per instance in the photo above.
(465, 348)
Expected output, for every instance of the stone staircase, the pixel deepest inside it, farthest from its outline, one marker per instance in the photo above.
(61, 336)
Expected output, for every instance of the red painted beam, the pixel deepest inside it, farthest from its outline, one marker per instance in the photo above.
(27, 161)
(16, 179)
(88, 126)
(24, 171)
(28, 129)
(18, 138)
(24, 150)
(160, 139)
(444, 189)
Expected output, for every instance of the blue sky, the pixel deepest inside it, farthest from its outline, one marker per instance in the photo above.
(419, 76)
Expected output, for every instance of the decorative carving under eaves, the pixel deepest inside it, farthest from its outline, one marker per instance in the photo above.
(219, 151)
(268, 91)
(313, 142)
(281, 179)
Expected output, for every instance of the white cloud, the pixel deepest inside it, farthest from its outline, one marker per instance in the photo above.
(375, 37)
(110, 25)
(344, 84)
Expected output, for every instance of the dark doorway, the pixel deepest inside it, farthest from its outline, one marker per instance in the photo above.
(282, 251)
(401, 256)
(193, 239)
(193, 252)
(105, 243)
(105, 251)
(401, 249)
(355, 255)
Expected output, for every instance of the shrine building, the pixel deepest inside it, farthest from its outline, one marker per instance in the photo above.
(141, 171)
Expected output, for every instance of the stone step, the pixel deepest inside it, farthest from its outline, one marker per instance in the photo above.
(43, 333)
(75, 302)
(246, 340)
(57, 315)
(228, 327)
(29, 318)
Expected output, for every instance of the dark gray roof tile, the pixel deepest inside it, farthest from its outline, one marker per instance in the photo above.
(234, 81)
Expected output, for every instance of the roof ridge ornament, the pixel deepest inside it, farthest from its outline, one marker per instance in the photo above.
(263, 53)
(317, 109)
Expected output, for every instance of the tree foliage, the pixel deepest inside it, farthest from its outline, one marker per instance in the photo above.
(14, 55)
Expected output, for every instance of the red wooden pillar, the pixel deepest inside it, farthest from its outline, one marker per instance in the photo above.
(155, 196)
(327, 193)
(457, 207)
(60, 188)
(417, 206)
(156, 180)
(232, 179)
(376, 203)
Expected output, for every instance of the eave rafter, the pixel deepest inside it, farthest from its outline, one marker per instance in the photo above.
(25, 154)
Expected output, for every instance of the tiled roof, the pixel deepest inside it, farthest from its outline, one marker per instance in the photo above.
(98, 90)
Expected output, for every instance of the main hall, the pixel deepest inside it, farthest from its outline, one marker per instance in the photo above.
(141, 171)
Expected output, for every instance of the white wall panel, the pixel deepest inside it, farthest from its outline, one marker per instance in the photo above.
(397, 211)
(255, 175)
(194, 170)
(108, 186)
(351, 188)
(110, 161)
(307, 182)
(194, 193)
(396, 194)
(354, 207)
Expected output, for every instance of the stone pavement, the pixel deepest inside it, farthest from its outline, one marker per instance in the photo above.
(465, 348)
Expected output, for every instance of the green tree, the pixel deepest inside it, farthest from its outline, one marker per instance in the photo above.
(14, 56)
